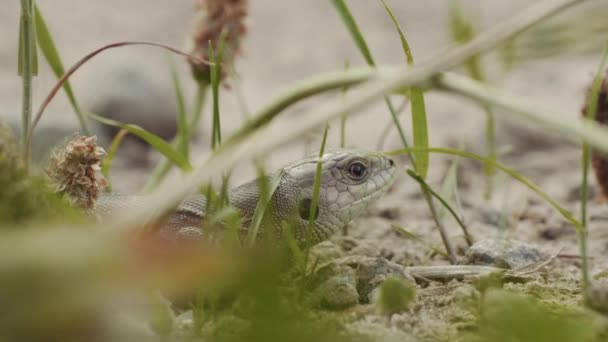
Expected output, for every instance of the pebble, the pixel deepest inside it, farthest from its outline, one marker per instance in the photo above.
(335, 286)
(128, 93)
(502, 253)
(353, 280)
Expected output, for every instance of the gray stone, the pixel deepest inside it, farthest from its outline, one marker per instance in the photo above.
(371, 272)
(598, 295)
(502, 253)
(335, 286)
(491, 216)
(324, 252)
(128, 93)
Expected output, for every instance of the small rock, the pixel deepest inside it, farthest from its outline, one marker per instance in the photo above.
(128, 93)
(491, 216)
(502, 253)
(366, 248)
(371, 272)
(335, 286)
(554, 233)
(598, 295)
(324, 252)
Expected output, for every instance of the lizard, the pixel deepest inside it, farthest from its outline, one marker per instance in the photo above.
(350, 181)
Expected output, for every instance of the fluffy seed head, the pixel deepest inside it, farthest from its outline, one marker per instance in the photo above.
(75, 170)
(213, 18)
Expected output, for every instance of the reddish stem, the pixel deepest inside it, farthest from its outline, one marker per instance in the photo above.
(82, 61)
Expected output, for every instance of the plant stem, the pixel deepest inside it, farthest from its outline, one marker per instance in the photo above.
(444, 235)
(586, 152)
(26, 70)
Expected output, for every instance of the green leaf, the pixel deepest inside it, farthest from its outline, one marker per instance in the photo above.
(353, 29)
(50, 53)
(155, 141)
(216, 134)
(404, 44)
(419, 120)
(314, 206)
(183, 140)
(420, 131)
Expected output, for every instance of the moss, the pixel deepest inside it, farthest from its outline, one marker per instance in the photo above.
(24, 197)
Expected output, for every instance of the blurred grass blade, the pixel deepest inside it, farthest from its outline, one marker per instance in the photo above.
(215, 78)
(27, 68)
(295, 249)
(216, 134)
(420, 131)
(155, 141)
(462, 31)
(419, 120)
(445, 204)
(106, 164)
(50, 53)
(266, 192)
(514, 174)
(183, 141)
(450, 183)
(27, 35)
(353, 28)
(314, 203)
(355, 32)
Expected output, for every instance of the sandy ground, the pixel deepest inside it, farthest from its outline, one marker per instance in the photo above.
(290, 40)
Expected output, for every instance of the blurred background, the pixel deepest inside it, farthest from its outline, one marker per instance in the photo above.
(287, 41)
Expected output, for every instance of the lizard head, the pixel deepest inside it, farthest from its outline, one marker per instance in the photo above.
(350, 181)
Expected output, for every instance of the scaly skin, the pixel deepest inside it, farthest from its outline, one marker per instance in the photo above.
(351, 180)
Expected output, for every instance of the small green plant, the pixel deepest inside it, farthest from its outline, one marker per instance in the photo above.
(395, 295)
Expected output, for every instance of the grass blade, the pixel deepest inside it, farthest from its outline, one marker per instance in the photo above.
(463, 32)
(419, 120)
(446, 205)
(314, 204)
(106, 164)
(155, 141)
(216, 134)
(27, 68)
(266, 192)
(50, 53)
(354, 31)
(514, 174)
(183, 140)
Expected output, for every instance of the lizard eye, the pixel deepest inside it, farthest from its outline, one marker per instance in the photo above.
(357, 170)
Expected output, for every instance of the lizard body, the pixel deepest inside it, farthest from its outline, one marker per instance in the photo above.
(350, 181)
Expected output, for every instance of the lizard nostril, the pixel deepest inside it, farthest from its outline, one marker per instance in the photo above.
(390, 161)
